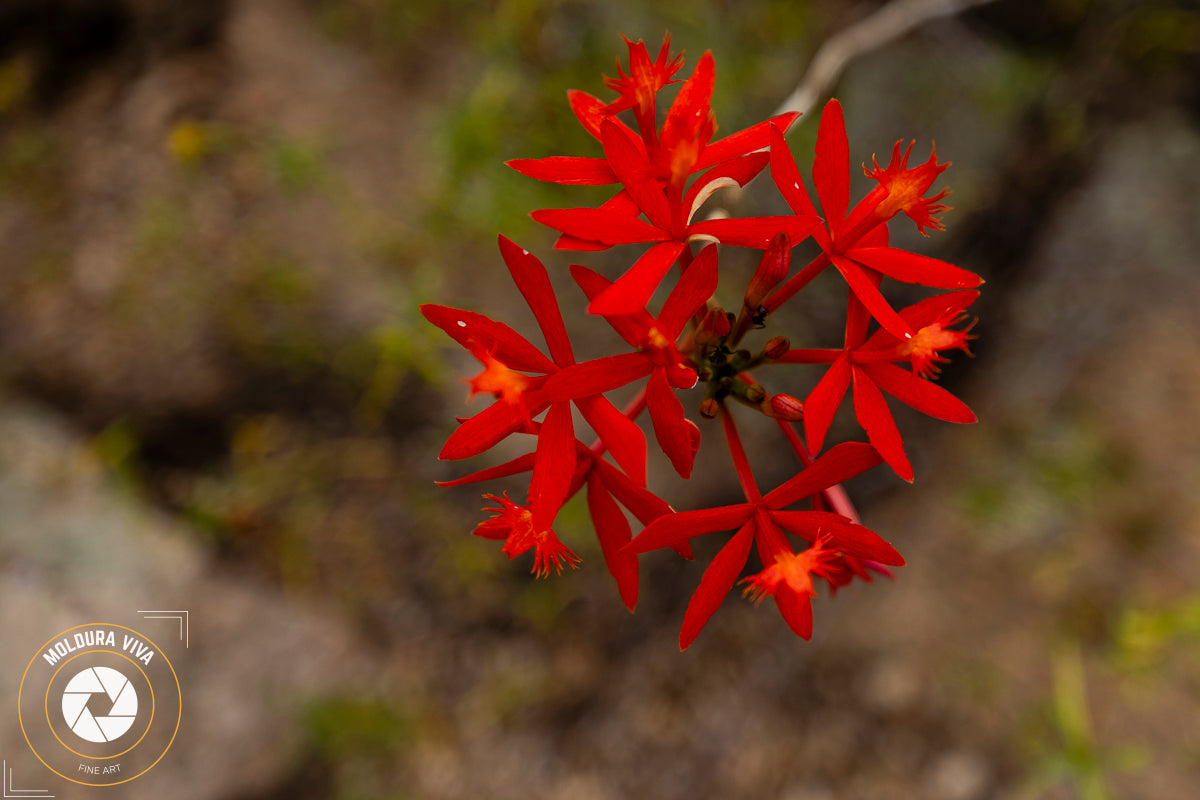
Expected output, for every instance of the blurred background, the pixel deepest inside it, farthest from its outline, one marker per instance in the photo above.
(216, 394)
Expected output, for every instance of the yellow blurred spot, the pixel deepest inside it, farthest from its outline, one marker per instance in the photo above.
(189, 142)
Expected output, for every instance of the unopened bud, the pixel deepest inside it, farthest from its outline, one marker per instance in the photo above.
(785, 407)
(776, 347)
(714, 327)
(709, 408)
(772, 269)
(755, 394)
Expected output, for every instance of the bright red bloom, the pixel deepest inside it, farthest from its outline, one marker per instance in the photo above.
(515, 525)
(868, 364)
(639, 89)
(656, 355)
(762, 520)
(856, 245)
(521, 397)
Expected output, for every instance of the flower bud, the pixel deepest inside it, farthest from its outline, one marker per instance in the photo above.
(776, 347)
(772, 269)
(755, 393)
(709, 408)
(714, 327)
(783, 406)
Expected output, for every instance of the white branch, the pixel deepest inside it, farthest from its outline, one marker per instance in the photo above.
(889, 22)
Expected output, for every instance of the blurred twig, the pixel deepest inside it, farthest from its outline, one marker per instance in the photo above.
(888, 23)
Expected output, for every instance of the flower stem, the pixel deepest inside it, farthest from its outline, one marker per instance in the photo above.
(737, 452)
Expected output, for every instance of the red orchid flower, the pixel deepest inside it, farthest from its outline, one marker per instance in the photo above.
(520, 397)
(856, 244)
(761, 520)
(608, 489)
(656, 355)
(868, 364)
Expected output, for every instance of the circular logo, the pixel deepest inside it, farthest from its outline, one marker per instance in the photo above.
(99, 704)
(104, 690)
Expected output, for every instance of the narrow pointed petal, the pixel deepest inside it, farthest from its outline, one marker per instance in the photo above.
(695, 288)
(876, 418)
(482, 431)
(621, 435)
(597, 376)
(531, 279)
(642, 503)
(718, 579)
(691, 108)
(787, 177)
(630, 293)
(923, 395)
(683, 525)
(868, 292)
(756, 232)
(478, 333)
(567, 170)
(631, 327)
(925, 312)
(588, 110)
(554, 466)
(839, 465)
(514, 467)
(635, 173)
(823, 401)
(831, 168)
(598, 225)
(747, 140)
(796, 610)
(913, 268)
(844, 536)
(613, 533)
(677, 437)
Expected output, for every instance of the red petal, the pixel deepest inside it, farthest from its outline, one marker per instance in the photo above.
(554, 466)
(565, 170)
(691, 109)
(839, 465)
(912, 268)
(876, 418)
(844, 535)
(925, 312)
(756, 232)
(683, 525)
(597, 225)
(694, 289)
(613, 533)
(868, 292)
(515, 467)
(642, 503)
(925, 396)
(747, 140)
(621, 435)
(634, 172)
(534, 284)
(476, 332)
(630, 293)
(787, 177)
(717, 581)
(597, 376)
(671, 428)
(485, 429)
(588, 110)
(831, 168)
(796, 610)
(823, 401)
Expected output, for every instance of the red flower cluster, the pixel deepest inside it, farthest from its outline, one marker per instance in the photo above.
(664, 174)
